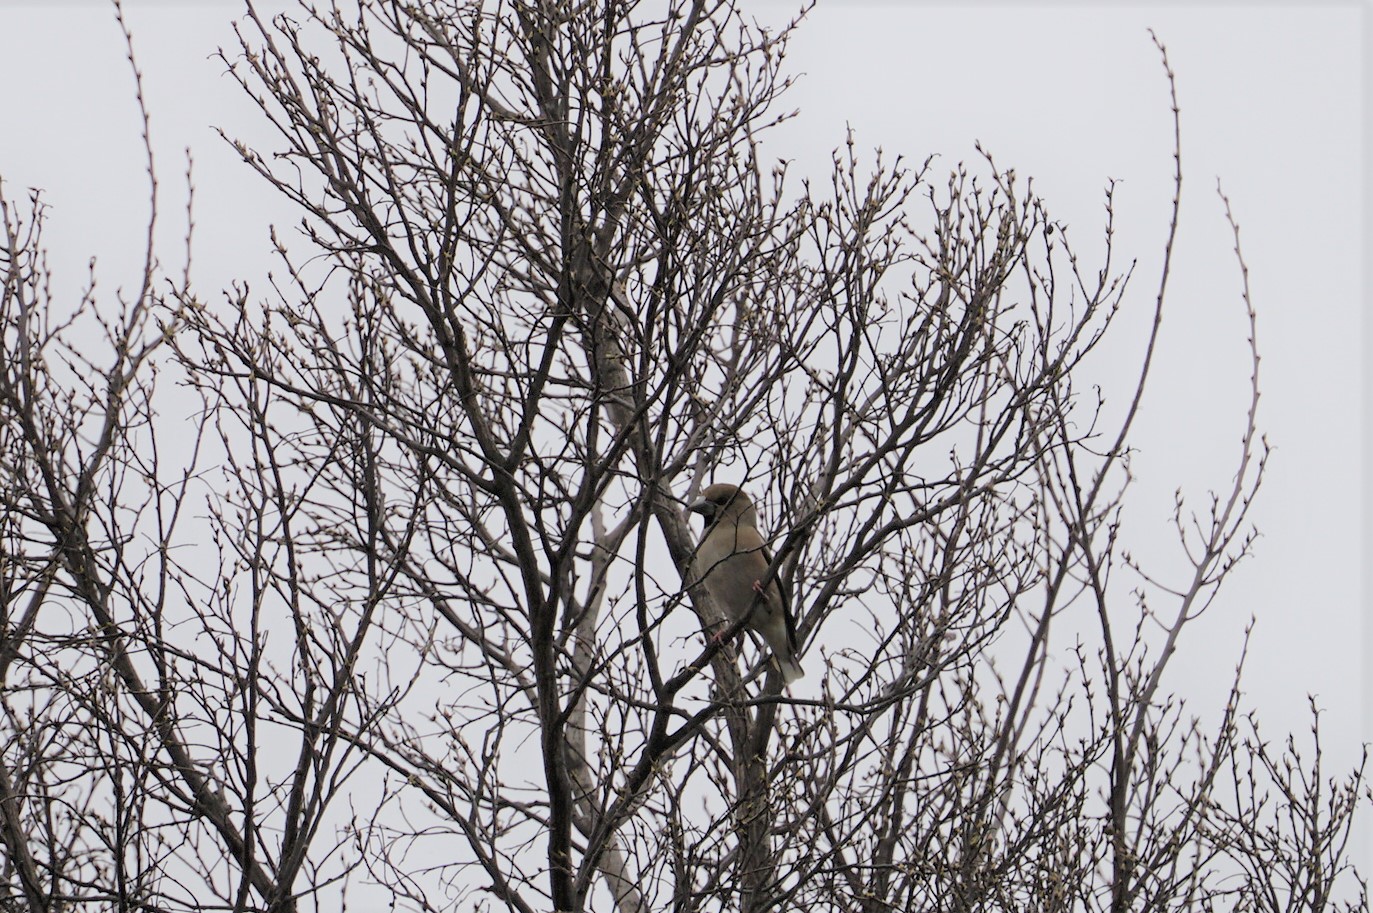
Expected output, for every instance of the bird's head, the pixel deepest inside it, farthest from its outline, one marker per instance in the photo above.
(725, 502)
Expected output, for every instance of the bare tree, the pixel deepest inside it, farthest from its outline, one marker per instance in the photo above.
(414, 614)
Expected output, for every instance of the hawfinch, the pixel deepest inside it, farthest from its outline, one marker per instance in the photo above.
(732, 560)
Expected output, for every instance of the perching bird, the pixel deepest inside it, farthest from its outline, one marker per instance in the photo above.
(732, 560)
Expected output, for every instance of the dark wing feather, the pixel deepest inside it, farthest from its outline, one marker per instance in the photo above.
(782, 588)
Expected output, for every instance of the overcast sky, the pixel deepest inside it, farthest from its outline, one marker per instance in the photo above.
(1073, 95)
(1271, 105)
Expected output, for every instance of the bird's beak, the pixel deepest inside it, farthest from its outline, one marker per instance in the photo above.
(702, 507)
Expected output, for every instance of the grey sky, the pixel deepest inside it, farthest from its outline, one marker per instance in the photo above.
(1071, 95)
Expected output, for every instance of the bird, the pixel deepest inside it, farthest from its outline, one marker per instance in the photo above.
(732, 561)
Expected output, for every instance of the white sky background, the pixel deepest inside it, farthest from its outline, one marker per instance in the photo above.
(1074, 95)
(1070, 95)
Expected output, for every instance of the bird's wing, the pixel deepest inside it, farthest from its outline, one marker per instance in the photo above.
(750, 539)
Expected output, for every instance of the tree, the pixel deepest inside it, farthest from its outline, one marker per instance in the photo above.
(413, 611)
